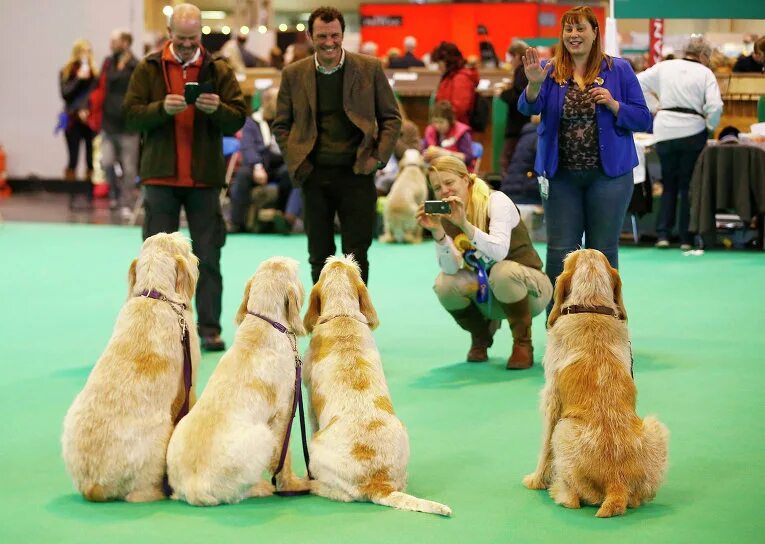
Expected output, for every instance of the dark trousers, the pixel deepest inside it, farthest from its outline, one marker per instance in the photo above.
(678, 158)
(585, 203)
(75, 134)
(242, 185)
(162, 206)
(330, 190)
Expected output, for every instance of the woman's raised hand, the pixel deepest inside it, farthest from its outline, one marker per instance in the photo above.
(535, 73)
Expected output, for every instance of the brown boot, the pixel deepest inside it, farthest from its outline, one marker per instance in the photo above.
(519, 316)
(481, 332)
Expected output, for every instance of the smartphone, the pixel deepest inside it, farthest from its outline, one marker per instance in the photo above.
(437, 207)
(193, 89)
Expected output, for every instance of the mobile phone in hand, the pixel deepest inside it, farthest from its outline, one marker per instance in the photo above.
(193, 89)
(437, 207)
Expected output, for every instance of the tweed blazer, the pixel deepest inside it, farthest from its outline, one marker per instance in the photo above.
(368, 102)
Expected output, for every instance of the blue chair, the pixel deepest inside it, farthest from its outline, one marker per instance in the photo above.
(231, 145)
(477, 149)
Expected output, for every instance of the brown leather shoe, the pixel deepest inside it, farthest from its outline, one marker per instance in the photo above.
(519, 317)
(213, 342)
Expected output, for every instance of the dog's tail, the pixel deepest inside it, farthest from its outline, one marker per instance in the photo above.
(96, 493)
(403, 501)
(655, 452)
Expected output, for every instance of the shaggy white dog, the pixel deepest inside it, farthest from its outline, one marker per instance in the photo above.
(116, 431)
(360, 449)
(234, 434)
(408, 191)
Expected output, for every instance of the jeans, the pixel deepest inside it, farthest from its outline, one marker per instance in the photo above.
(122, 148)
(585, 203)
(678, 158)
(162, 205)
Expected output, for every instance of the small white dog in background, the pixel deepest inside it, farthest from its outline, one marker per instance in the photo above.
(219, 452)
(116, 431)
(408, 191)
(360, 449)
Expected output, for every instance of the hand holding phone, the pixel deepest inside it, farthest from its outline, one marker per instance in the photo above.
(437, 207)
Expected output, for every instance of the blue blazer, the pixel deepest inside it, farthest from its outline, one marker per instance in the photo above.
(617, 148)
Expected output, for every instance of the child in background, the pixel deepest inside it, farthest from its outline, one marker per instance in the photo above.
(447, 136)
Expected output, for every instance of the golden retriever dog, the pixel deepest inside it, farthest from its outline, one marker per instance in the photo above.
(595, 449)
(408, 191)
(360, 449)
(219, 452)
(116, 431)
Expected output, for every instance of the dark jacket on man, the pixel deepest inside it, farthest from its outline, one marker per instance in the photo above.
(143, 107)
(406, 61)
(117, 81)
(515, 119)
(368, 102)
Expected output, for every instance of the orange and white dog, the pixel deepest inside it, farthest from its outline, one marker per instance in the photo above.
(234, 434)
(595, 449)
(116, 431)
(360, 449)
(408, 191)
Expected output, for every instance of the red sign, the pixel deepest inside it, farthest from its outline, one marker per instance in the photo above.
(655, 41)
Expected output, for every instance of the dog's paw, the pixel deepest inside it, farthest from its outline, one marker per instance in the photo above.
(611, 509)
(261, 489)
(534, 481)
(295, 484)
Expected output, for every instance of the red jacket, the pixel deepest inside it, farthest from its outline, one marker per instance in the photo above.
(458, 88)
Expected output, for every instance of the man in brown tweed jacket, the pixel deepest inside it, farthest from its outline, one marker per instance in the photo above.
(336, 123)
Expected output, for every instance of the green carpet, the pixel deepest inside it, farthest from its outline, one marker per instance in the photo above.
(697, 334)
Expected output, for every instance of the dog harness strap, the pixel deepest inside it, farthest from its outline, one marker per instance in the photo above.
(578, 309)
(297, 400)
(185, 342)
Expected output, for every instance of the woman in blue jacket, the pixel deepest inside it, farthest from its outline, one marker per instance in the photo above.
(590, 104)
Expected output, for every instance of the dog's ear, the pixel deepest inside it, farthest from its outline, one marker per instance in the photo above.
(616, 282)
(242, 311)
(131, 277)
(185, 280)
(562, 289)
(365, 305)
(314, 309)
(294, 302)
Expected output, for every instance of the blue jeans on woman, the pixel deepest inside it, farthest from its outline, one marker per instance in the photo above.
(585, 203)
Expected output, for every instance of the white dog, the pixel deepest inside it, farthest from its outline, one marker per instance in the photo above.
(408, 191)
(360, 449)
(235, 432)
(116, 431)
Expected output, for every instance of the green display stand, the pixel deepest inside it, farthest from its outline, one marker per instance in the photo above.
(498, 124)
(761, 109)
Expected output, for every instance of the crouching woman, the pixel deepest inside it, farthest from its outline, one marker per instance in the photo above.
(489, 269)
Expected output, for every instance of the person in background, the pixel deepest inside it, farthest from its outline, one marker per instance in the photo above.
(690, 106)
(447, 136)
(261, 166)
(237, 55)
(590, 105)
(118, 144)
(483, 230)
(276, 58)
(296, 51)
(76, 80)
(753, 63)
(458, 82)
(337, 123)
(408, 59)
(182, 163)
(515, 119)
(369, 49)
(489, 57)
(519, 181)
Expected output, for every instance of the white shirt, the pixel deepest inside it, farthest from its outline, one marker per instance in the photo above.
(490, 247)
(328, 71)
(682, 83)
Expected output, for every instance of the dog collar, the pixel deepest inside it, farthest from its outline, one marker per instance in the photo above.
(580, 309)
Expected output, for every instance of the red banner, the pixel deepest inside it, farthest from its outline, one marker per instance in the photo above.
(656, 41)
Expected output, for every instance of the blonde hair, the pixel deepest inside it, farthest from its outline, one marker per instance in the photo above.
(478, 204)
(563, 62)
(74, 59)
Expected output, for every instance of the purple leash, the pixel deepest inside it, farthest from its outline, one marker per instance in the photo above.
(297, 402)
(185, 341)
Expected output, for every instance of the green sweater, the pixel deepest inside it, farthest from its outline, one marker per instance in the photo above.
(338, 138)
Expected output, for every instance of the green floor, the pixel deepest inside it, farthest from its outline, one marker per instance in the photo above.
(697, 332)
